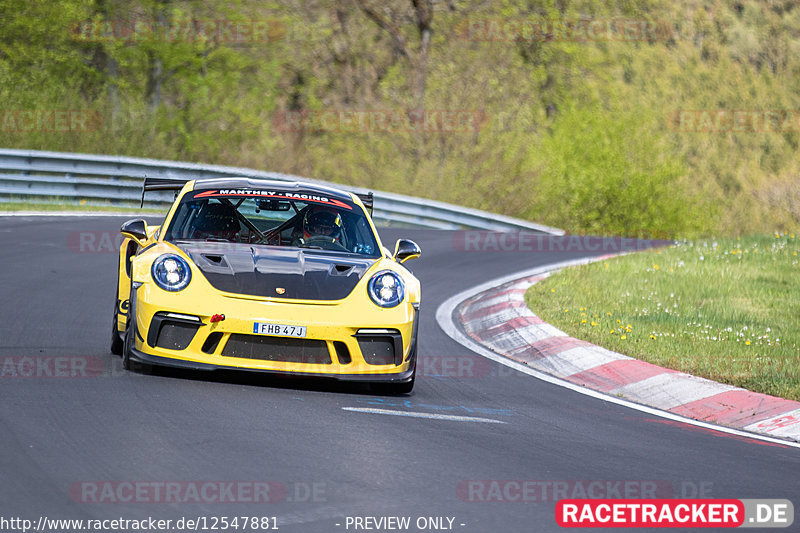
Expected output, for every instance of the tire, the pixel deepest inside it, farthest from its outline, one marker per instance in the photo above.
(130, 332)
(117, 343)
(130, 336)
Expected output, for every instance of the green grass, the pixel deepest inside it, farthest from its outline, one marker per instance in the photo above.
(727, 309)
(69, 206)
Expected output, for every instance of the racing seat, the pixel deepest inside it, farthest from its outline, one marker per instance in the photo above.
(217, 221)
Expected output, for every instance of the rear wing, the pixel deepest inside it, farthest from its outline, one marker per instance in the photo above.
(162, 184)
(368, 200)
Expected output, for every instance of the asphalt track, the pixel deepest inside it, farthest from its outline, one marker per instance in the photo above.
(60, 435)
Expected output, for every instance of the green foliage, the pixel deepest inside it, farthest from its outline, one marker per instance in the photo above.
(573, 133)
(723, 309)
(605, 171)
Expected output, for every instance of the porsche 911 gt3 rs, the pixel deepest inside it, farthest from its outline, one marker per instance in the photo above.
(267, 276)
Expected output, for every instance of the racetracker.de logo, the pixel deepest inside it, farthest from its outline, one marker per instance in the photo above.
(677, 513)
(453, 366)
(95, 242)
(33, 367)
(734, 121)
(521, 241)
(50, 120)
(115, 492)
(531, 490)
(580, 30)
(381, 120)
(218, 31)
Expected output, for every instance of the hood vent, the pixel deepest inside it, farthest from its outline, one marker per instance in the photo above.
(217, 259)
(262, 270)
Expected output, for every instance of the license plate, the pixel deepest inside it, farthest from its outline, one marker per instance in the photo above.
(279, 330)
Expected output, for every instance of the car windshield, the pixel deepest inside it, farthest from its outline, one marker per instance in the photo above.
(302, 219)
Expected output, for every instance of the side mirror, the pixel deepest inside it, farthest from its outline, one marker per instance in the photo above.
(405, 250)
(136, 229)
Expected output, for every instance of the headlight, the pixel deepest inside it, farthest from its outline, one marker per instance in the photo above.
(171, 272)
(386, 289)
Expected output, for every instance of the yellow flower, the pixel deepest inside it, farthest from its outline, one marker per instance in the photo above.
(608, 313)
(618, 321)
(623, 337)
(594, 323)
(552, 290)
(655, 267)
(583, 321)
(652, 336)
(612, 331)
(566, 310)
(747, 343)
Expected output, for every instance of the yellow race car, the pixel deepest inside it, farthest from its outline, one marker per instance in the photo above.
(267, 276)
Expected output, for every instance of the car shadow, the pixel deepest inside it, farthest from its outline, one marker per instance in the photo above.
(274, 381)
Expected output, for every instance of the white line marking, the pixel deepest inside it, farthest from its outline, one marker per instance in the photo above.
(413, 414)
(444, 317)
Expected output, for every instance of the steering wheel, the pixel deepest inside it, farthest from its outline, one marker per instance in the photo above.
(326, 243)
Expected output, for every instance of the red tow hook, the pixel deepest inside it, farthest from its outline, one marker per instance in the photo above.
(217, 318)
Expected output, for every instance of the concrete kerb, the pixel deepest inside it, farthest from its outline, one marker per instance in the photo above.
(493, 320)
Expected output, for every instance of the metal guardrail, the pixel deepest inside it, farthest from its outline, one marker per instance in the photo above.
(101, 180)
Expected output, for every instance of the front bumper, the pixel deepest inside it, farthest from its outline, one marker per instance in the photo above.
(330, 326)
(400, 377)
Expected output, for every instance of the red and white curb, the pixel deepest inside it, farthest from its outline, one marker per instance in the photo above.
(494, 321)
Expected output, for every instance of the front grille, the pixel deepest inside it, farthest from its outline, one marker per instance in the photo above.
(175, 335)
(212, 341)
(342, 352)
(377, 350)
(283, 349)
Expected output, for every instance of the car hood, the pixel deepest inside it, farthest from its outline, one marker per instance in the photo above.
(270, 271)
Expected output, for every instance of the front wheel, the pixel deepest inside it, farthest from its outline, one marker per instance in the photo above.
(117, 344)
(130, 332)
(130, 337)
